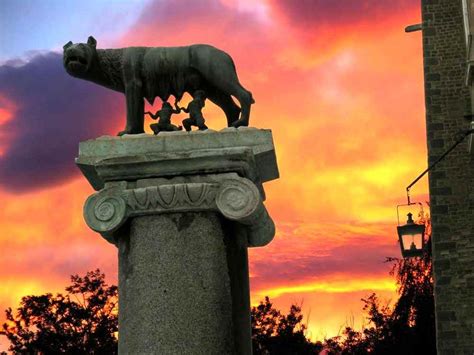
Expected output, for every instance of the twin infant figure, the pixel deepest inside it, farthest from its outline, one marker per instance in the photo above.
(195, 115)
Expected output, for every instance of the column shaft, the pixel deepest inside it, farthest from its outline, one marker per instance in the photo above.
(174, 286)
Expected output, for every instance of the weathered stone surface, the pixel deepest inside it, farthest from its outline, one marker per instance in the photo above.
(452, 181)
(182, 208)
(248, 151)
(175, 293)
(236, 198)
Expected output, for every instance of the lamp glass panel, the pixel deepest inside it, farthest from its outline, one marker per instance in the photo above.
(409, 239)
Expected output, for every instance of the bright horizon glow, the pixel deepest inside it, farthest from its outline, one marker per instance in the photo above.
(345, 104)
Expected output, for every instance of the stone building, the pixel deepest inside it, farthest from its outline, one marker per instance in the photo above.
(445, 39)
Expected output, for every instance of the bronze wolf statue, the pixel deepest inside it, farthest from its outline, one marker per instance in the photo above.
(148, 72)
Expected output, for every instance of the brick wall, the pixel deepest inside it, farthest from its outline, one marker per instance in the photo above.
(451, 182)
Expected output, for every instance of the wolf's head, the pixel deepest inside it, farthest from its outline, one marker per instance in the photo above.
(78, 58)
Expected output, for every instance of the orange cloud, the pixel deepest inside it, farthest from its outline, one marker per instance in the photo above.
(345, 105)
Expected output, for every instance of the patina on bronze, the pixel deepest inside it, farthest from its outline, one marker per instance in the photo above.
(148, 72)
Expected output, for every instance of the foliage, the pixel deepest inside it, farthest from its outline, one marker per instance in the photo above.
(82, 321)
(275, 333)
(408, 327)
(85, 320)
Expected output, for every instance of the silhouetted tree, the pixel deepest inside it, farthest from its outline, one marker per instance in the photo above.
(408, 327)
(84, 321)
(275, 333)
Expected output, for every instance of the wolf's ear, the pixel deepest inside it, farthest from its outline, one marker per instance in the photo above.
(91, 41)
(67, 45)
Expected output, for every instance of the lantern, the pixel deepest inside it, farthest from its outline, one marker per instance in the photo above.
(412, 238)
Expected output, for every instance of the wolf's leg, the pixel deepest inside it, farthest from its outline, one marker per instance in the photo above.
(245, 99)
(135, 108)
(225, 102)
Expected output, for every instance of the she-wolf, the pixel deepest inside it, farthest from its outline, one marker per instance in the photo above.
(148, 72)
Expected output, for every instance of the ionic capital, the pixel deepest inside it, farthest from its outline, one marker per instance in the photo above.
(236, 198)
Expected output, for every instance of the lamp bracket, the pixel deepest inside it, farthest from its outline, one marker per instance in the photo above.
(461, 135)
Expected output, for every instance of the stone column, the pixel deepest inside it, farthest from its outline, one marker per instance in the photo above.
(182, 208)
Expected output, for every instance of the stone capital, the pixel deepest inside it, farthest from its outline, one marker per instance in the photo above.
(236, 198)
(180, 172)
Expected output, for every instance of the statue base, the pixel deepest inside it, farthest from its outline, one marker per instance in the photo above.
(182, 208)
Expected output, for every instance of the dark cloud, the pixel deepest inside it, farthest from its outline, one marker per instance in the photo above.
(53, 113)
(310, 13)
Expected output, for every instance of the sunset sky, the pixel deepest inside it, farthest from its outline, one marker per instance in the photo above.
(339, 83)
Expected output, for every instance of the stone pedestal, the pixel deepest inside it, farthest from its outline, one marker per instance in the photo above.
(182, 208)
